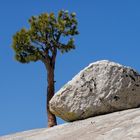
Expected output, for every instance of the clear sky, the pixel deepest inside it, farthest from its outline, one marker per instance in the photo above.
(109, 29)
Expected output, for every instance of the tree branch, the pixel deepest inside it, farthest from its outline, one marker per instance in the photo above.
(39, 44)
(54, 56)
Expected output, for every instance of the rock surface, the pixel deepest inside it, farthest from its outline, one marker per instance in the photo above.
(100, 88)
(124, 125)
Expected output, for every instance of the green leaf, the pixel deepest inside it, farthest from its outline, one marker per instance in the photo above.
(45, 36)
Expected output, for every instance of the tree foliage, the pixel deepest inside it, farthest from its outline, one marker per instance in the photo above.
(45, 36)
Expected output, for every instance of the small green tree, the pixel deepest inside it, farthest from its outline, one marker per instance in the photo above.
(42, 41)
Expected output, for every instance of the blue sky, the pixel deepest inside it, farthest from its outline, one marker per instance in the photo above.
(108, 30)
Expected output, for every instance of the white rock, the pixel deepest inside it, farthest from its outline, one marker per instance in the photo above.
(124, 125)
(100, 88)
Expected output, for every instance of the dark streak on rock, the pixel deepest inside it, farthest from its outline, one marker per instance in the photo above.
(132, 77)
(90, 89)
(116, 98)
(137, 85)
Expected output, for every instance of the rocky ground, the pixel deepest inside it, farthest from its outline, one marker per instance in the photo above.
(123, 125)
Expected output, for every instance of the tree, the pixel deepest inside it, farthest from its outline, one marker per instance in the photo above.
(44, 38)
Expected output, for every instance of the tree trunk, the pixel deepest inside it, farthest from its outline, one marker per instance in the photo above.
(50, 93)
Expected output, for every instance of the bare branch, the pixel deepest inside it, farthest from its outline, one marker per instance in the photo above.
(39, 44)
(54, 55)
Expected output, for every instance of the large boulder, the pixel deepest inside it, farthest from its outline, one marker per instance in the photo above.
(102, 87)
